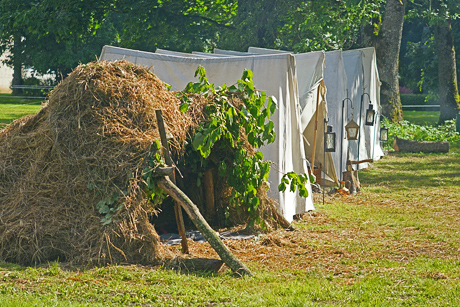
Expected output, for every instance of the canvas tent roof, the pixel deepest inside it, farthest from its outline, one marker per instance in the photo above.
(274, 74)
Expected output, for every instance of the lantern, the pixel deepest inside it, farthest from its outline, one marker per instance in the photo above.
(384, 134)
(329, 139)
(370, 114)
(352, 130)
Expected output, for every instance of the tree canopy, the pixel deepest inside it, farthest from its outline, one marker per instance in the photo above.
(54, 36)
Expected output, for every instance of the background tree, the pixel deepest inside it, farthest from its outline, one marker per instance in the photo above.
(11, 34)
(387, 45)
(429, 57)
(449, 99)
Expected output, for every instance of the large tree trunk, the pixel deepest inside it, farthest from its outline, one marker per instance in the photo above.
(447, 72)
(17, 64)
(387, 48)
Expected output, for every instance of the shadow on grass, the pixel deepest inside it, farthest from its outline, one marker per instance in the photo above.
(415, 171)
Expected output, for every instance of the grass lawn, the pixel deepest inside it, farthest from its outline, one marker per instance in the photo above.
(13, 108)
(396, 243)
(422, 117)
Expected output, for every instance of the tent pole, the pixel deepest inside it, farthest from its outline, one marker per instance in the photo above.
(316, 130)
(324, 164)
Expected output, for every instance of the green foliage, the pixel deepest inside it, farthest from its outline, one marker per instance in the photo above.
(294, 181)
(414, 99)
(326, 25)
(245, 172)
(408, 131)
(395, 243)
(155, 194)
(109, 205)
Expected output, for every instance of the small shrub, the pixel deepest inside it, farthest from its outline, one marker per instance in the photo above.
(408, 131)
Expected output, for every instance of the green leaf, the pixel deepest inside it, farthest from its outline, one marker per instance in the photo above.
(183, 107)
(282, 187)
(198, 140)
(272, 105)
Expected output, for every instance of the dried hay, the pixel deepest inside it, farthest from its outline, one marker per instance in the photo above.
(89, 143)
(96, 131)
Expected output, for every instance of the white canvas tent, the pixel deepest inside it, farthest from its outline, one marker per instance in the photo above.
(312, 103)
(335, 81)
(355, 82)
(367, 89)
(335, 78)
(349, 74)
(274, 74)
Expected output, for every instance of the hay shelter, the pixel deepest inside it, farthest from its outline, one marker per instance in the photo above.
(87, 145)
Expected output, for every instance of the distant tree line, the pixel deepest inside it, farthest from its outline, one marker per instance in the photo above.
(53, 36)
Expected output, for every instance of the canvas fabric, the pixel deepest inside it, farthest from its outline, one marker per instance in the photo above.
(274, 74)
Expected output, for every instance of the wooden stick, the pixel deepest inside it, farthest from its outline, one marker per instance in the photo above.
(163, 171)
(192, 210)
(359, 162)
(169, 161)
(315, 135)
(209, 193)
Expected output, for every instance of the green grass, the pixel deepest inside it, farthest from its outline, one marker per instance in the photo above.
(422, 117)
(394, 244)
(14, 108)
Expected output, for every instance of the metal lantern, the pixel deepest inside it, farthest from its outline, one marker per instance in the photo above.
(370, 114)
(384, 134)
(352, 130)
(329, 139)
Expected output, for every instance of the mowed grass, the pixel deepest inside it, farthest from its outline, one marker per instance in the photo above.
(422, 117)
(396, 243)
(14, 108)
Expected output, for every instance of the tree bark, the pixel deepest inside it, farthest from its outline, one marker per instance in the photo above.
(387, 48)
(447, 72)
(17, 64)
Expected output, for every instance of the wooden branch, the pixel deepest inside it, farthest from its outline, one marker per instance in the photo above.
(361, 161)
(192, 210)
(170, 162)
(163, 171)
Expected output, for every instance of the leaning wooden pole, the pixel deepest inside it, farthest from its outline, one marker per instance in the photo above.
(315, 135)
(169, 161)
(192, 210)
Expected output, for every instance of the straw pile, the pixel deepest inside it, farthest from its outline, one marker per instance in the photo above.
(89, 143)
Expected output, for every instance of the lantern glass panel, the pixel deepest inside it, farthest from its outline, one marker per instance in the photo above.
(330, 142)
(384, 134)
(370, 117)
(352, 133)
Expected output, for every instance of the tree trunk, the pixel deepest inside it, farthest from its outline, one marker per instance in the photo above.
(17, 65)
(447, 72)
(387, 48)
